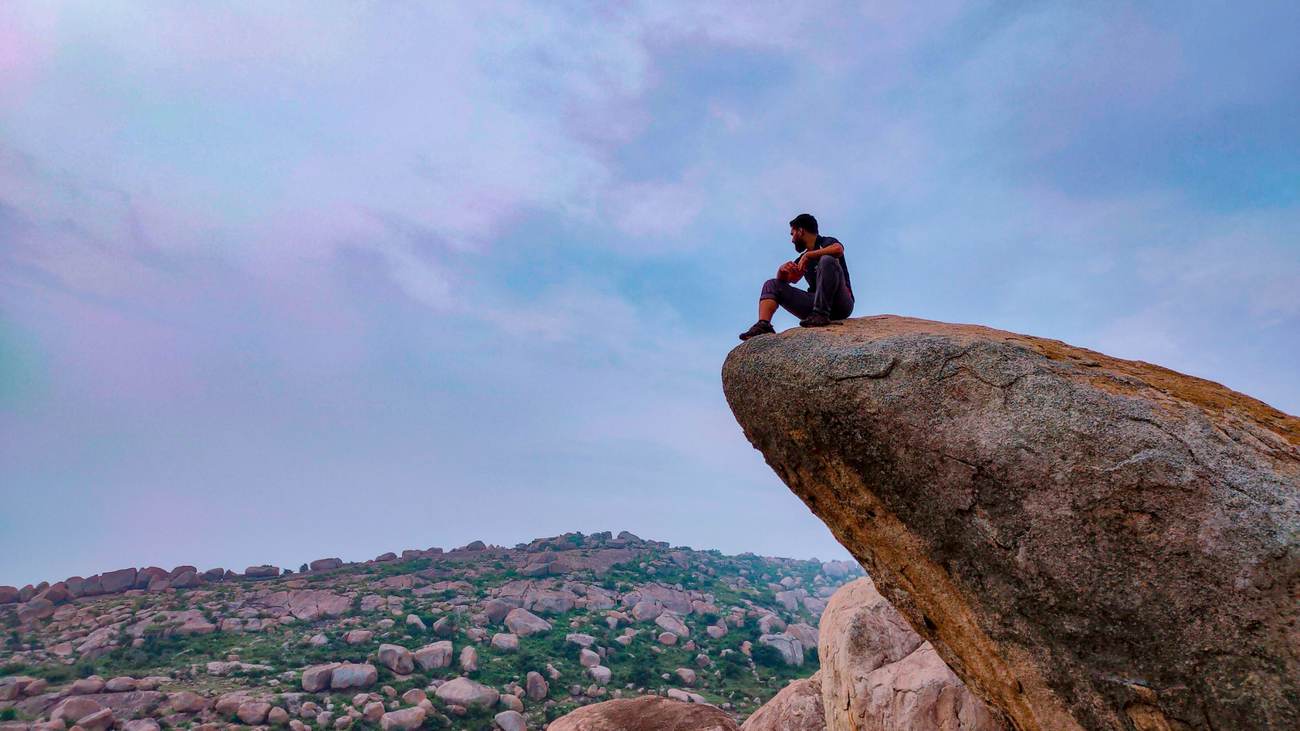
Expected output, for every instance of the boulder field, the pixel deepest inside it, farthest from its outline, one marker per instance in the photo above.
(1089, 543)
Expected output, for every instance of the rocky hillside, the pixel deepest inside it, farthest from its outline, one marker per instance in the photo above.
(477, 637)
(1089, 543)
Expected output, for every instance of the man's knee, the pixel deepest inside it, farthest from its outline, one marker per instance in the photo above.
(771, 290)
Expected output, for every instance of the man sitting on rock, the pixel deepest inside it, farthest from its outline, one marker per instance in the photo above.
(821, 263)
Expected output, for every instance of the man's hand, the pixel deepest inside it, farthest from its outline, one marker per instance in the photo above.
(790, 272)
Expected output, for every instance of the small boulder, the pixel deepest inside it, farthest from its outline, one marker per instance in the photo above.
(353, 675)
(645, 713)
(121, 684)
(511, 720)
(325, 564)
(432, 657)
(407, 719)
(253, 713)
(101, 720)
(526, 624)
(187, 702)
(465, 692)
(505, 642)
(317, 677)
(536, 687)
(87, 686)
(469, 659)
(358, 636)
(396, 658)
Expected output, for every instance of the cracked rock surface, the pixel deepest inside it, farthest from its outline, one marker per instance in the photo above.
(1089, 543)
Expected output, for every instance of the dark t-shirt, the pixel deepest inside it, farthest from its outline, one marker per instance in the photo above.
(810, 273)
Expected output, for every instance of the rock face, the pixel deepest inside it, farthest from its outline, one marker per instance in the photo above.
(647, 713)
(798, 707)
(1088, 542)
(879, 674)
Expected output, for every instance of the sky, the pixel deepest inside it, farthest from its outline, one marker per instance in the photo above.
(281, 281)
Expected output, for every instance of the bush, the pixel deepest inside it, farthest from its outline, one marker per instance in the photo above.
(8, 714)
(767, 656)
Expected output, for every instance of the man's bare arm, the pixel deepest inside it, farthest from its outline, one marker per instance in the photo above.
(835, 249)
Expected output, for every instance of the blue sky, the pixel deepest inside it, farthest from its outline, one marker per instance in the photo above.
(281, 281)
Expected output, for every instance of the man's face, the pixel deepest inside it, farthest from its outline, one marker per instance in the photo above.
(796, 238)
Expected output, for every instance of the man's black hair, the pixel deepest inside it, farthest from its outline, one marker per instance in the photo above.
(806, 222)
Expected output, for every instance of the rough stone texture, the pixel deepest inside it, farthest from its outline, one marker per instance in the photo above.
(187, 702)
(798, 707)
(308, 605)
(879, 674)
(353, 675)
(436, 655)
(526, 624)
(406, 720)
(253, 713)
(1088, 542)
(396, 658)
(317, 677)
(325, 564)
(536, 686)
(465, 692)
(647, 713)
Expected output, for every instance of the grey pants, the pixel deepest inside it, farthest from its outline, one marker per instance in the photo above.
(832, 298)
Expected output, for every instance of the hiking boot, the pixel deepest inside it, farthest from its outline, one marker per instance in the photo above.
(762, 327)
(816, 319)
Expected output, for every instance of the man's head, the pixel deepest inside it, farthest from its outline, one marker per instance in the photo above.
(803, 232)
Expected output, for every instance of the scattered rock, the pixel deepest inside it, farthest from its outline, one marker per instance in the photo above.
(253, 713)
(407, 719)
(121, 684)
(396, 658)
(790, 648)
(434, 656)
(511, 720)
(325, 564)
(358, 636)
(465, 692)
(317, 677)
(526, 624)
(647, 713)
(187, 702)
(798, 707)
(353, 675)
(536, 686)
(261, 572)
(505, 642)
(87, 686)
(469, 659)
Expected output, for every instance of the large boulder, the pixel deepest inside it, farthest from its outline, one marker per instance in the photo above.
(117, 581)
(879, 674)
(647, 713)
(1088, 542)
(798, 707)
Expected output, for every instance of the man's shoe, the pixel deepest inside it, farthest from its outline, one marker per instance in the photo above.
(762, 327)
(816, 319)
